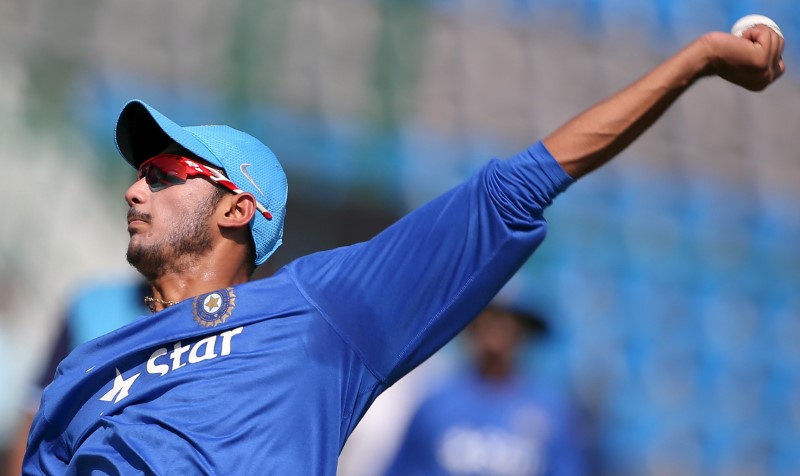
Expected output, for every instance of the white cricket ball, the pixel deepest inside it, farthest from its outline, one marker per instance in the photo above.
(749, 21)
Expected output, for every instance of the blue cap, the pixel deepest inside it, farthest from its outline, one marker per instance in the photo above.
(142, 132)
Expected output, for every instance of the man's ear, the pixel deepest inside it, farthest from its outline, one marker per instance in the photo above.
(236, 210)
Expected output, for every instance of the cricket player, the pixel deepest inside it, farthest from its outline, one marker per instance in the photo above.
(489, 417)
(269, 377)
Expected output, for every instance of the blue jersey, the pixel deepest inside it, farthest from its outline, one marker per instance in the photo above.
(271, 376)
(96, 309)
(471, 426)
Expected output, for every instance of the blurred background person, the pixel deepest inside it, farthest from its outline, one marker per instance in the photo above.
(95, 309)
(490, 417)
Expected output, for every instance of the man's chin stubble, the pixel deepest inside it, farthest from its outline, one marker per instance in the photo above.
(150, 264)
(155, 263)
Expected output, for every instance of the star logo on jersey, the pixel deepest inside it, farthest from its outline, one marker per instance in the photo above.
(214, 308)
(211, 303)
(120, 389)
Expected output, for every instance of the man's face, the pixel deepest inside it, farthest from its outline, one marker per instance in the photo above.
(169, 229)
(494, 339)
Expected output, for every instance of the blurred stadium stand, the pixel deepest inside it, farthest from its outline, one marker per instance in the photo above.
(674, 271)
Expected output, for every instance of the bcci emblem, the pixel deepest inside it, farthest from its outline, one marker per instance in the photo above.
(214, 308)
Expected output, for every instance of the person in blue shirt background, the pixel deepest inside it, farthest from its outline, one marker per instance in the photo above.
(490, 418)
(94, 309)
(271, 376)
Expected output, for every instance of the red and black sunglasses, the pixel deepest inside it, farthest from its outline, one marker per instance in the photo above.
(166, 170)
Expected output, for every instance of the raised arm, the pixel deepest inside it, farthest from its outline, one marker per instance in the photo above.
(601, 132)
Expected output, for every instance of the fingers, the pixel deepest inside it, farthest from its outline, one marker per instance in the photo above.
(752, 61)
(776, 44)
(765, 36)
(771, 46)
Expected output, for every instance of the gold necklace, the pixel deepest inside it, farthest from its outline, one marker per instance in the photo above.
(151, 302)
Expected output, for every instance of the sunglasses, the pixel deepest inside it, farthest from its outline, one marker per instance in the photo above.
(166, 170)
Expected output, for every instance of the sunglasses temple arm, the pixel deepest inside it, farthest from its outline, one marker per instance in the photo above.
(220, 179)
(263, 210)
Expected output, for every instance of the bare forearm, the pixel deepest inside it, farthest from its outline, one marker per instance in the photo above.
(601, 132)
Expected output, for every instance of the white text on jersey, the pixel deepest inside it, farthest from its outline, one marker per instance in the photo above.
(162, 361)
(201, 350)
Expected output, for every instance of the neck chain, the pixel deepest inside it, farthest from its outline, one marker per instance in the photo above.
(151, 302)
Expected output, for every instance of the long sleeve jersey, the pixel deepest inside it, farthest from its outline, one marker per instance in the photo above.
(272, 376)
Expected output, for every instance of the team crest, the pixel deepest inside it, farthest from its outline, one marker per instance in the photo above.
(214, 308)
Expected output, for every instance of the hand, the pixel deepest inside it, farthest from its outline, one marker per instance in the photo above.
(753, 61)
(601, 132)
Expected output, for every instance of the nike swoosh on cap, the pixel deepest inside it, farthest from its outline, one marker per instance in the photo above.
(243, 168)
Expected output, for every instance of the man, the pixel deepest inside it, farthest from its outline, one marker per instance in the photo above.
(271, 376)
(489, 419)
